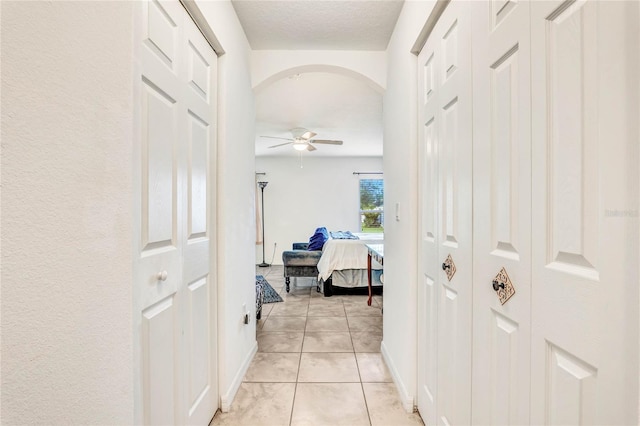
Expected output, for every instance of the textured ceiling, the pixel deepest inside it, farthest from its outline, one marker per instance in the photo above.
(318, 25)
(335, 107)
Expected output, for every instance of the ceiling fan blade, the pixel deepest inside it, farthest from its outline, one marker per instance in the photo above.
(308, 135)
(311, 147)
(280, 144)
(277, 137)
(328, 142)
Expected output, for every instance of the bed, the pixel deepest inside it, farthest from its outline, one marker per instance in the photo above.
(343, 263)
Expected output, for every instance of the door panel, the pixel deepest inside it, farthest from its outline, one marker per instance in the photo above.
(585, 291)
(197, 339)
(199, 115)
(454, 103)
(444, 328)
(448, 162)
(571, 388)
(428, 72)
(159, 175)
(430, 235)
(504, 147)
(159, 358)
(572, 141)
(161, 35)
(158, 265)
(429, 181)
(502, 212)
(197, 177)
(174, 292)
(505, 372)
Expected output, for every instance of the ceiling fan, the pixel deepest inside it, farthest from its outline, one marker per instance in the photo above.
(302, 141)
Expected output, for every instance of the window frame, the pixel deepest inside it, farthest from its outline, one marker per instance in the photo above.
(380, 210)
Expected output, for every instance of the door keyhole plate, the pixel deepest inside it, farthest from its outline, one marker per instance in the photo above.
(504, 288)
(449, 267)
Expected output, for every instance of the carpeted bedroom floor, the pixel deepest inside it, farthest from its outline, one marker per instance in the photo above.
(318, 363)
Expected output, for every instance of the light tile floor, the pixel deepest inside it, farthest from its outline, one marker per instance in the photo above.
(318, 363)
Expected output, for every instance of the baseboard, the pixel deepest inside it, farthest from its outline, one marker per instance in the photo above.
(406, 399)
(227, 398)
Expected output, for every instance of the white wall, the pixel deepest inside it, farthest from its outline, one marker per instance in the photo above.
(67, 213)
(399, 344)
(235, 188)
(324, 192)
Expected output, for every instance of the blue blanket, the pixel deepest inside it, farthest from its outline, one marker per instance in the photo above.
(318, 239)
(343, 235)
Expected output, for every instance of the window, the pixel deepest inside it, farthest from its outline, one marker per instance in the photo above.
(371, 205)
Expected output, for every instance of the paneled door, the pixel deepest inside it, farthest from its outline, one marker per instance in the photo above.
(173, 299)
(200, 344)
(502, 212)
(429, 269)
(445, 287)
(585, 225)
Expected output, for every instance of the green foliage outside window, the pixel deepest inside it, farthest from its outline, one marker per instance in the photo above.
(371, 205)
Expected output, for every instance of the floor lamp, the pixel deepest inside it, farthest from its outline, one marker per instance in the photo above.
(262, 185)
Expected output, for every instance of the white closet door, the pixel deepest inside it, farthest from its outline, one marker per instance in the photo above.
(585, 288)
(429, 267)
(159, 261)
(444, 383)
(502, 212)
(200, 374)
(173, 294)
(455, 241)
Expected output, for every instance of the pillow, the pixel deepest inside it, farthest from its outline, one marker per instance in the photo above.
(317, 240)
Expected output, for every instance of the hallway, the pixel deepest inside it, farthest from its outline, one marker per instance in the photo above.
(318, 363)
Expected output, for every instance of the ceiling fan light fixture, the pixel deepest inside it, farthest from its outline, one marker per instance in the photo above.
(299, 146)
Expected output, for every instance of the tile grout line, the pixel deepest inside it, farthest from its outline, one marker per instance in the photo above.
(355, 356)
(295, 389)
(364, 395)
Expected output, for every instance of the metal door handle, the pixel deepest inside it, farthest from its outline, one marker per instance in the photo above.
(497, 285)
(445, 266)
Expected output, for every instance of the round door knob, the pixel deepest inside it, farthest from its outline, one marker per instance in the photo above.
(162, 276)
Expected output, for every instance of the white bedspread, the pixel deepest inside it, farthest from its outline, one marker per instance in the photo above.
(346, 254)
